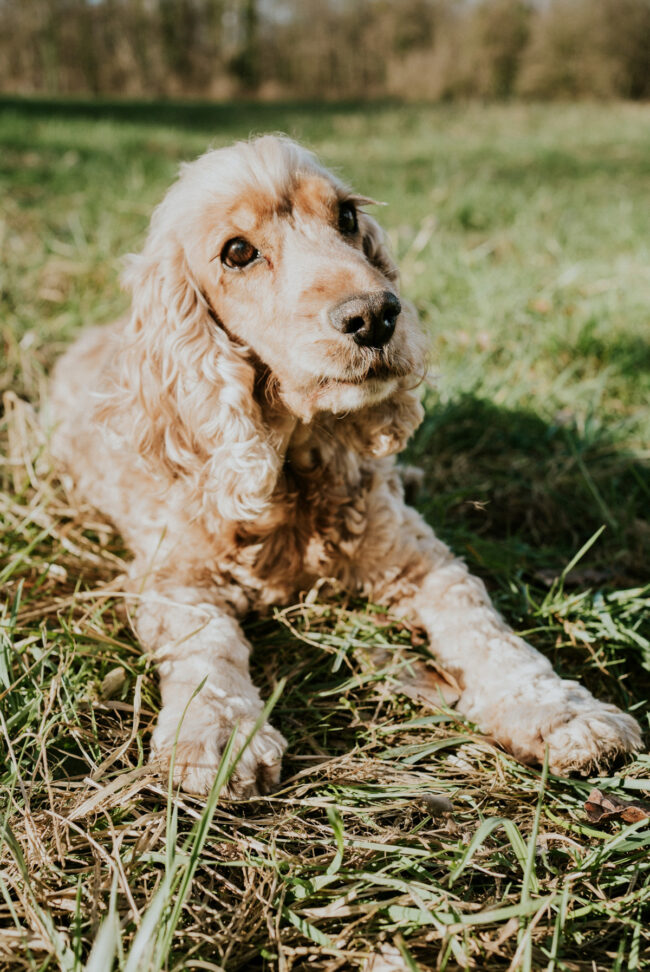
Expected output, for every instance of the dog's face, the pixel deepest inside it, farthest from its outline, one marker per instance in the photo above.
(292, 267)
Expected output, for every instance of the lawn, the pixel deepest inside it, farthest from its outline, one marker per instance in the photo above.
(400, 838)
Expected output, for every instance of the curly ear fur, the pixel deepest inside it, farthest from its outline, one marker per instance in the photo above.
(184, 392)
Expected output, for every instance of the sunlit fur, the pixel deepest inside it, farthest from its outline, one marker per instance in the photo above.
(244, 448)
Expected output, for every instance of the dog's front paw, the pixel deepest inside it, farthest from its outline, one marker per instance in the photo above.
(200, 747)
(588, 738)
(581, 733)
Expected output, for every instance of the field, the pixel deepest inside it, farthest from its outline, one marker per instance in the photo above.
(522, 234)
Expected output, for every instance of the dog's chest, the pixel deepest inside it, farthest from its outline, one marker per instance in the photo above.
(315, 527)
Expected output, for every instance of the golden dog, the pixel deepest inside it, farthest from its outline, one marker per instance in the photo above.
(240, 428)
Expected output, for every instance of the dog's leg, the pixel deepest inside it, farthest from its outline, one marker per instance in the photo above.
(194, 640)
(508, 688)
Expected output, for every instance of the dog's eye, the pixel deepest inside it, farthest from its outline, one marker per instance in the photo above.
(238, 253)
(348, 223)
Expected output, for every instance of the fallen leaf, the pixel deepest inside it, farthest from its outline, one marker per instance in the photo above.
(428, 683)
(601, 806)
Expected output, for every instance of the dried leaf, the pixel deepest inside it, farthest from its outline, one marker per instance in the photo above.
(601, 806)
(430, 684)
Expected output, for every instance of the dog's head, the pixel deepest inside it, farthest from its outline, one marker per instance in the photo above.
(262, 275)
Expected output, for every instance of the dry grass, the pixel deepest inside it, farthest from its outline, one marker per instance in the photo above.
(399, 835)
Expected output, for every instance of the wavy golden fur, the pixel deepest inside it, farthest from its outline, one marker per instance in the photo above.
(240, 428)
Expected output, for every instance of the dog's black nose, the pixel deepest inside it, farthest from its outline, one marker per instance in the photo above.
(369, 319)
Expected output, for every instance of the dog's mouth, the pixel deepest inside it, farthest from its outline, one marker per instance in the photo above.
(378, 369)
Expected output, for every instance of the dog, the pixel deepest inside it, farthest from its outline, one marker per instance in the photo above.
(240, 428)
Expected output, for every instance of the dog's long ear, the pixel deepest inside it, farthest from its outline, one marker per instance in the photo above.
(183, 392)
(376, 247)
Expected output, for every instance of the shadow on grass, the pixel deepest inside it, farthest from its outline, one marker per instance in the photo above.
(628, 354)
(516, 493)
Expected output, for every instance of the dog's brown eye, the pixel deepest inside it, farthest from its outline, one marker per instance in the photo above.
(238, 253)
(348, 219)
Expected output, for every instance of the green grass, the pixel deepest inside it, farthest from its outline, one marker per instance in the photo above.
(522, 234)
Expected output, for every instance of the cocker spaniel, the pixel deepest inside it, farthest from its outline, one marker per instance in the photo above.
(240, 426)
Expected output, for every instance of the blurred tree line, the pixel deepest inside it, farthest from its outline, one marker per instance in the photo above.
(419, 49)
